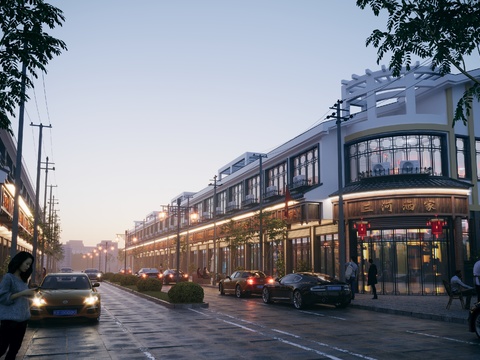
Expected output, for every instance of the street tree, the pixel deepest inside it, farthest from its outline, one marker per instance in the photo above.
(23, 42)
(445, 31)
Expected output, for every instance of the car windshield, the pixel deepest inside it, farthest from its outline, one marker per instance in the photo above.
(53, 282)
(257, 274)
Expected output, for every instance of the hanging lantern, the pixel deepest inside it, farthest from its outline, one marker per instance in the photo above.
(361, 227)
(436, 225)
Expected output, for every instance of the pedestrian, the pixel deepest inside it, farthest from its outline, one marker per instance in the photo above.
(199, 273)
(351, 271)
(476, 277)
(372, 278)
(206, 274)
(459, 287)
(15, 304)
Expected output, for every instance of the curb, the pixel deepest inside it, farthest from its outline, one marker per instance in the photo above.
(435, 317)
(163, 302)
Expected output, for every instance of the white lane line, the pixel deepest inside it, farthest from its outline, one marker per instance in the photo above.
(344, 351)
(443, 338)
(323, 315)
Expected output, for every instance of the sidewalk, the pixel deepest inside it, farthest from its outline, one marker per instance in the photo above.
(432, 307)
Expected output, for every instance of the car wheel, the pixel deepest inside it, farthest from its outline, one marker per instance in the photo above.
(221, 289)
(267, 299)
(476, 324)
(298, 300)
(238, 291)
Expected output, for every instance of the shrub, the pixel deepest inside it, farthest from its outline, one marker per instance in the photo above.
(186, 292)
(117, 278)
(108, 276)
(149, 285)
(128, 280)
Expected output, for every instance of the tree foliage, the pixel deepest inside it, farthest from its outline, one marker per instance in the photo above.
(445, 31)
(24, 42)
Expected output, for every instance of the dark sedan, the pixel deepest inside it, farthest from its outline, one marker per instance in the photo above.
(170, 276)
(306, 288)
(94, 274)
(146, 273)
(474, 319)
(243, 282)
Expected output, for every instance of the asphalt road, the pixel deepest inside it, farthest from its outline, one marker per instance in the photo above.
(230, 328)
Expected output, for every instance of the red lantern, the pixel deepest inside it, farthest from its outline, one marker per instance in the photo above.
(437, 225)
(361, 227)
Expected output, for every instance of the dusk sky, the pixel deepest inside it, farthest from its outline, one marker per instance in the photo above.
(153, 97)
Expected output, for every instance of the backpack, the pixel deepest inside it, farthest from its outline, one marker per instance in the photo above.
(349, 271)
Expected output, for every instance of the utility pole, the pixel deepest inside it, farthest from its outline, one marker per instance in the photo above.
(260, 225)
(341, 222)
(42, 249)
(18, 165)
(37, 194)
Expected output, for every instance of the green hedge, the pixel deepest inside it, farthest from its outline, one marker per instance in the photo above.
(117, 278)
(149, 285)
(186, 293)
(128, 280)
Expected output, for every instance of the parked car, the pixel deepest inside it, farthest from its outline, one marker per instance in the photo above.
(66, 295)
(94, 274)
(474, 319)
(170, 276)
(307, 288)
(145, 273)
(243, 282)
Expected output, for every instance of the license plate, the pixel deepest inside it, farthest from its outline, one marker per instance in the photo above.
(333, 288)
(64, 312)
(259, 286)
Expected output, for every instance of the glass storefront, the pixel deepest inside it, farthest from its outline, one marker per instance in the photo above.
(409, 261)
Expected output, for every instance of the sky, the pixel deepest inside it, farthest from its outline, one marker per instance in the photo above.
(154, 96)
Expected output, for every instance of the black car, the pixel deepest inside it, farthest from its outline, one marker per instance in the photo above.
(306, 288)
(146, 273)
(474, 319)
(94, 274)
(170, 276)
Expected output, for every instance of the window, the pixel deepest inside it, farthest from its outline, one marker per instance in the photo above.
(306, 164)
(461, 144)
(277, 176)
(386, 155)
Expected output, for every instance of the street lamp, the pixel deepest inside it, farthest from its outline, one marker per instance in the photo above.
(118, 236)
(177, 211)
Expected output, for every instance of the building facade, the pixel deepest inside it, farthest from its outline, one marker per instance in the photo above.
(8, 153)
(407, 196)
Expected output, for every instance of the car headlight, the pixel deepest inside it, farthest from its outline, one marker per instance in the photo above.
(39, 301)
(91, 300)
(99, 275)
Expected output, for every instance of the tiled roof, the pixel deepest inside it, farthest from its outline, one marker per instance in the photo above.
(407, 181)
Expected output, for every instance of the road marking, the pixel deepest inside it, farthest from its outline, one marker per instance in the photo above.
(443, 338)
(306, 348)
(323, 315)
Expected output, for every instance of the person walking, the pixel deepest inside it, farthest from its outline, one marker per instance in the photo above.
(476, 278)
(459, 287)
(15, 304)
(372, 278)
(351, 270)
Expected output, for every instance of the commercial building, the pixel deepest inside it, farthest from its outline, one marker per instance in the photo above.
(408, 195)
(8, 154)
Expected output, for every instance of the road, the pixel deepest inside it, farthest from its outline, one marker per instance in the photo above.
(230, 328)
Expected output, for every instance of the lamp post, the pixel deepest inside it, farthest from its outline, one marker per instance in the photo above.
(177, 211)
(117, 237)
(341, 222)
(99, 257)
(260, 225)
